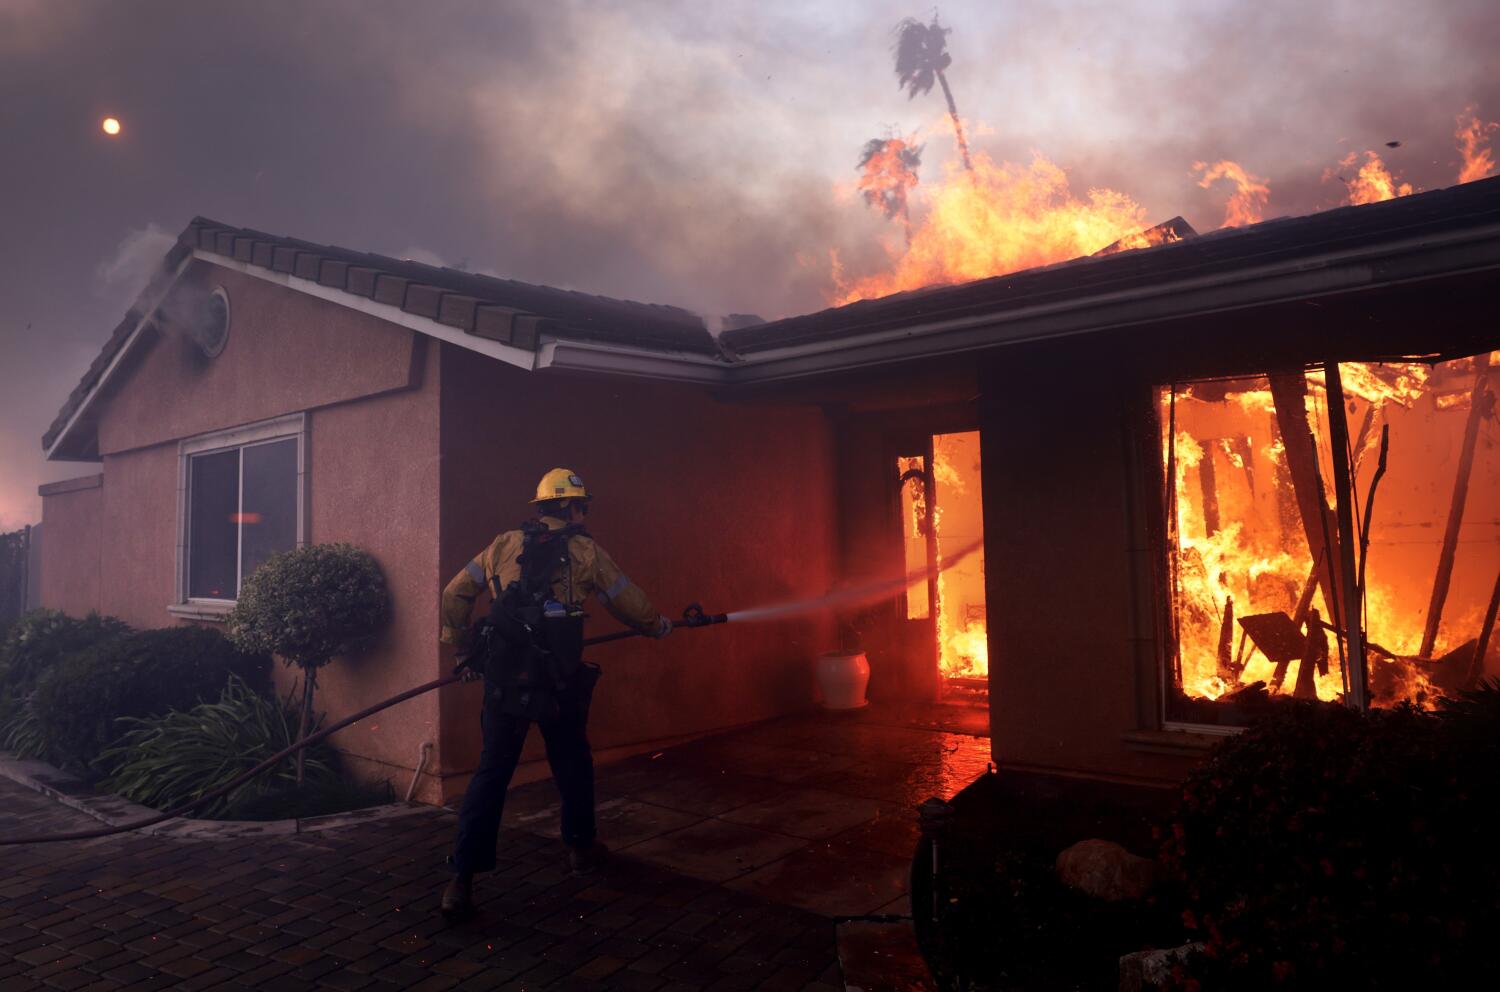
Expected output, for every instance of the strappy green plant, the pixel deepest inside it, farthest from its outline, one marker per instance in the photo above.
(167, 760)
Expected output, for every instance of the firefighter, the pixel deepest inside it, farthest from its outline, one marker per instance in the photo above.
(529, 655)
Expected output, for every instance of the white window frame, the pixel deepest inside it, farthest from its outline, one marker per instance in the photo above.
(279, 429)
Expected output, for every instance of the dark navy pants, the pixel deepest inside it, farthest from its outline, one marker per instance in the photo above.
(568, 753)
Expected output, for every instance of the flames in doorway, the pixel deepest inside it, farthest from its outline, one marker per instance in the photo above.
(942, 519)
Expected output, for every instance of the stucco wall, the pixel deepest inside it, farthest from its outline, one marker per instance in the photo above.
(71, 520)
(1063, 549)
(372, 411)
(723, 503)
(285, 352)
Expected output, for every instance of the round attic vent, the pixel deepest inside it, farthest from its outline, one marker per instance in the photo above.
(212, 329)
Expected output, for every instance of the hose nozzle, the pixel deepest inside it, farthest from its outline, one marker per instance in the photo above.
(694, 616)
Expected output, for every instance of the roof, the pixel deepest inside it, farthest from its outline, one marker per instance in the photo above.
(516, 314)
(1438, 233)
(1275, 242)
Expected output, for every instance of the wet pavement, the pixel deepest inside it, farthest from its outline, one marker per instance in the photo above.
(815, 811)
(734, 852)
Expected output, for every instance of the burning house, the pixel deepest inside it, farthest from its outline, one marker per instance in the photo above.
(1142, 494)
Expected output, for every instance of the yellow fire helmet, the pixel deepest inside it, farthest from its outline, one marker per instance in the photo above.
(561, 483)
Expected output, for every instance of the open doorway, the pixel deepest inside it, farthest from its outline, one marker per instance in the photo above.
(942, 518)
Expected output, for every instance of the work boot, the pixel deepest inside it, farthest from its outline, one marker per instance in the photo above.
(458, 898)
(587, 860)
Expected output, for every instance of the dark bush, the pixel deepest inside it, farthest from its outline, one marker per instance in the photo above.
(1326, 848)
(77, 703)
(1006, 920)
(37, 642)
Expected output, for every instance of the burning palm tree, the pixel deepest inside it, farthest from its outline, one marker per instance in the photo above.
(890, 171)
(921, 57)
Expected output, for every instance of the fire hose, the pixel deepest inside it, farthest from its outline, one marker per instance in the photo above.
(692, 617)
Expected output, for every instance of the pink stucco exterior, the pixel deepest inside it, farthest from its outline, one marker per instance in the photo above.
(697, 500)
(70, 564)
(420, 452)
(372, 428)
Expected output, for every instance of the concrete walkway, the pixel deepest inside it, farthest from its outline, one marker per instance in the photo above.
(735, 851)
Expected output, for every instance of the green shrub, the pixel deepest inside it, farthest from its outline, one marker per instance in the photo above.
(1326, 848)
(142, 673)
(166, 760)
(38, 642)
(310, 605)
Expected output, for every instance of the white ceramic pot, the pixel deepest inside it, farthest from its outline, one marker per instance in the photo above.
(843, 678)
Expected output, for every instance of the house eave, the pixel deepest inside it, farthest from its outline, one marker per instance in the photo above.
(1386, 265)
(67, 447)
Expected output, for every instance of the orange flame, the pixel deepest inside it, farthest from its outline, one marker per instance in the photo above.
(962, 626)
(1479, 161)
(1240, 538)
(1372, 183)
(1247, 203)
(1000, 218)
(888, 176)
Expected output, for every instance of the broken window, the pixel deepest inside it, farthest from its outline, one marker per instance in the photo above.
(1255, 572)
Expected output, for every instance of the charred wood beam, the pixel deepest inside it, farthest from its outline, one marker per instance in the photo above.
(1226, 643)
(1349, 618)
(1364, 534)
(1289, 392)
(1208, 481)
(1456, 509)
(1314, 659)
(1476, 667)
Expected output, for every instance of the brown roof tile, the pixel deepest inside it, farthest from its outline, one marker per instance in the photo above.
(333, 273)
(422, 300)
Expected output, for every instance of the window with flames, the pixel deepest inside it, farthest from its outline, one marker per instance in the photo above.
(1253, 572)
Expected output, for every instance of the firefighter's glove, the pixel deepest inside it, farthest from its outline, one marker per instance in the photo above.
(663, 628)
(466, 668)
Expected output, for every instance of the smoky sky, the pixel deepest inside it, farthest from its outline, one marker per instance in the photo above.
(677, 152)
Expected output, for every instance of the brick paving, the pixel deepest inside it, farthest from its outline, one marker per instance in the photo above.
(736, 852)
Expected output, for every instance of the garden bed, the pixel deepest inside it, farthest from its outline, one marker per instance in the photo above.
(1008, 922)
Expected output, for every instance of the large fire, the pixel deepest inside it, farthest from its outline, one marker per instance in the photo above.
(1244, 554)
(999, 218)
(963, 639)
(1473, 141)
(953, 511)
(1371, 182)
(1247, 203)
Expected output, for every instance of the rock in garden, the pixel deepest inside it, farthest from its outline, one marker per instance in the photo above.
(1105, 870)
(1145, 970)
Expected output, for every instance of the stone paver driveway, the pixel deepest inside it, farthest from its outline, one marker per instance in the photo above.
(736, 853)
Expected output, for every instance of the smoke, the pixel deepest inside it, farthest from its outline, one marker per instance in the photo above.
(122, 275)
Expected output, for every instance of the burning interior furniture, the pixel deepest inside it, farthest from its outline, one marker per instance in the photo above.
(1256, 609)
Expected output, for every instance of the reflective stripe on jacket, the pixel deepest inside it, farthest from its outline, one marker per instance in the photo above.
(594, 574)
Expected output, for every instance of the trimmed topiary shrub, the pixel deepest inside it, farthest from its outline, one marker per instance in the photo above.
(38, 642)
(77, 703)
(1324, 848)
(309, 606)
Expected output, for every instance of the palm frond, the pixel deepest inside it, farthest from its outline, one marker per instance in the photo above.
(921, 54)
